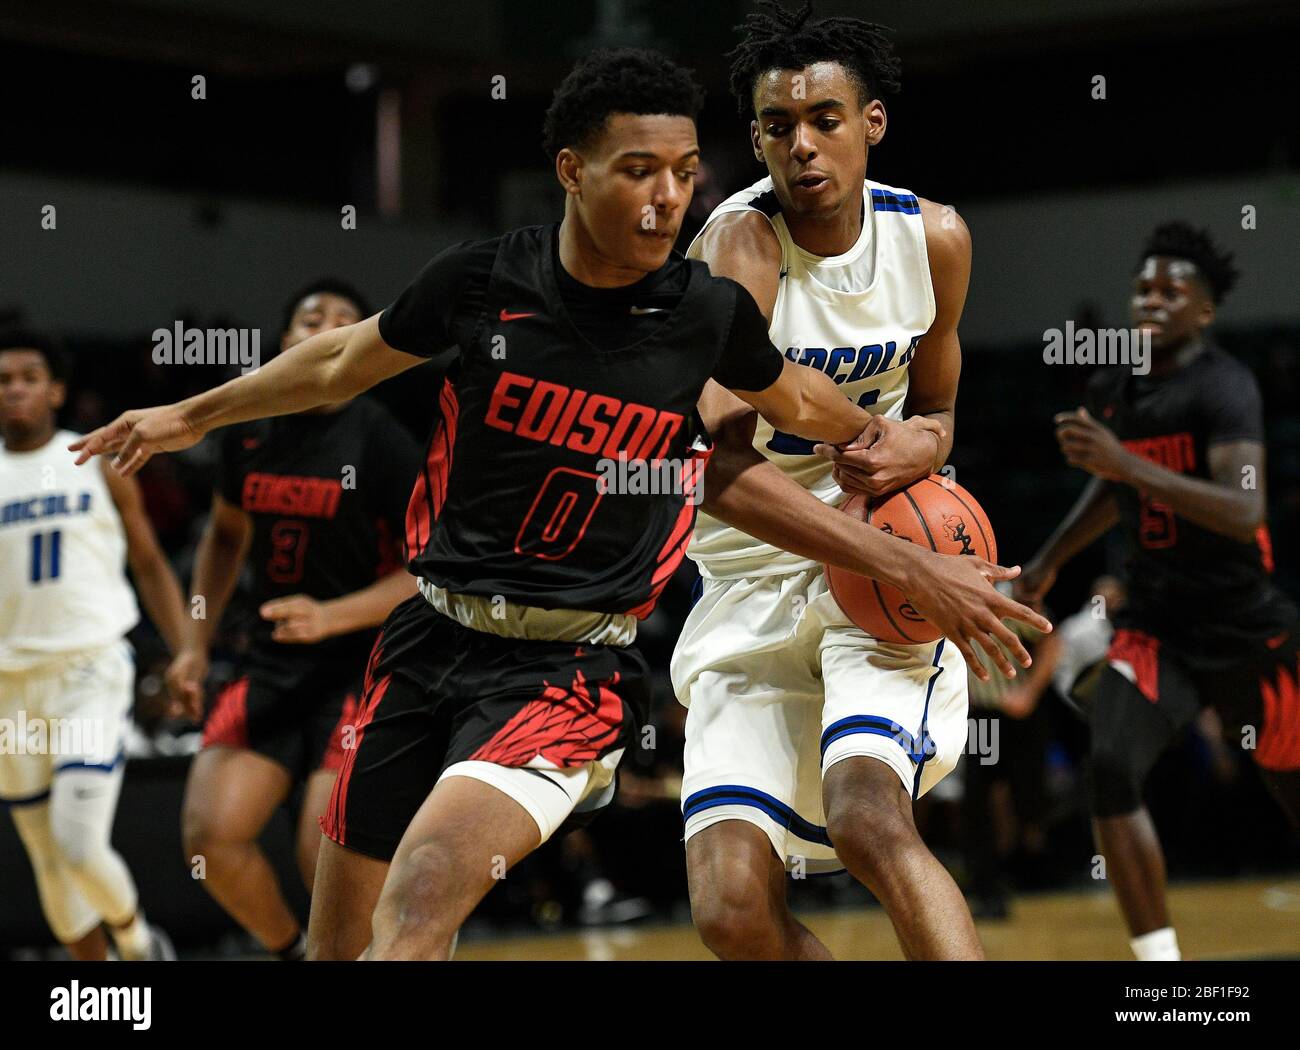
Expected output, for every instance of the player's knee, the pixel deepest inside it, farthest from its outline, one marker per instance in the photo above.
(76, 846)
(423, 894)
(734, 924)
(869, 835)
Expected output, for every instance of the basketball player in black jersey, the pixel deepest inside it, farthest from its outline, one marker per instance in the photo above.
(315, 503)
(1177, 459)
(498, 701)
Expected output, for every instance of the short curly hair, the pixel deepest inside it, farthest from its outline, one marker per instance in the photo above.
(616, 80)
(776, 38)
(50, 347)
(1180, 240)
(322, 286)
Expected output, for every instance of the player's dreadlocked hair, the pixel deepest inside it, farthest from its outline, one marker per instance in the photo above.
(1181, 241)
(616, 80)
(776, 38)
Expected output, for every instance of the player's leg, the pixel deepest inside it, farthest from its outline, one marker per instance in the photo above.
(326, 732)
(25, 781)
(464, 839)
(1259, 703)
(346, 889)
(95, 696)
(869, 817)
(738, 896)
(894, 724)
(1133, 722)
(230, 795)
(307, 838)
(387, 769)
(751, 792)
(74, 923)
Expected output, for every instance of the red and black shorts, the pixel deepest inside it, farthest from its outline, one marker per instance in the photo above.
(437, 693)
(301, 721)
(1257, 697)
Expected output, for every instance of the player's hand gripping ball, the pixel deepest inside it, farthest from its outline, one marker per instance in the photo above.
(935, 512)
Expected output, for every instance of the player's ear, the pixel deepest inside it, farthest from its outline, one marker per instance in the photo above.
(875, 119)
(568, 169)
(756, 140)
(58, 394)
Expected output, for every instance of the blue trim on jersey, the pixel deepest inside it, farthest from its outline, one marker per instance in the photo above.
(29, 800)
(740, 795)
(870, 724)
(101, 767)
(882, 200)
(919, 748)
(925, 715)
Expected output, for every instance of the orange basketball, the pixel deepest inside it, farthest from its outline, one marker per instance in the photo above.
(934, 511)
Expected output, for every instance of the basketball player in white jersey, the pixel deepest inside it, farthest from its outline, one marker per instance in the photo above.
(807, 740)
(66, 671)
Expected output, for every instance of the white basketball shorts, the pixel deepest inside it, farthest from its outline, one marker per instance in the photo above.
(780, 686)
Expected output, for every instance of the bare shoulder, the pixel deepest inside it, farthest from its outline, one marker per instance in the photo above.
(947, 237)
(738, 236)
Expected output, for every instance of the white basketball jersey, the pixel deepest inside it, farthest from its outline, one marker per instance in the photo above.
(857, 317)
(63, 583)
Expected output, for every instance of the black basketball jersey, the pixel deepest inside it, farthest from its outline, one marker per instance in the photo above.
(1207, 595)
(326, 493)
(555, 384)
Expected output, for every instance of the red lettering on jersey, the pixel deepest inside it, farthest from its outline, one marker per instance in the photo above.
(598, 430)
(570, 414)
(550, 395)
(1176, 452)
(584, 422)
(292, 495)
(632, 415)
(502, 399)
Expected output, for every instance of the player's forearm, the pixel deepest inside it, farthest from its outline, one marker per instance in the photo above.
(749, 493)
(1235, 513)
(305, 376)
(160, 594)
(1093, 515)
(370, 606)
(807, 403)
(216, 570)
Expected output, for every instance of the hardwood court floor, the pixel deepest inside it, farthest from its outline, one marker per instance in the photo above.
(1215, 920)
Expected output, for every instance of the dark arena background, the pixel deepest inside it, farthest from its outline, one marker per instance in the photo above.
(357, 140)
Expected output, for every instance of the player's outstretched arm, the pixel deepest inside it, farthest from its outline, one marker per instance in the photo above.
(955, 594)
(329, 367)
(808, 404)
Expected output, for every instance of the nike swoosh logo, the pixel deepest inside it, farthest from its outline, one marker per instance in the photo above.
(506, 315)
(638, 311)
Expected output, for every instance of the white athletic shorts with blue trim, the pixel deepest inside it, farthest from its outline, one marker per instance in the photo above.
(780, 686)
(68, 714)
